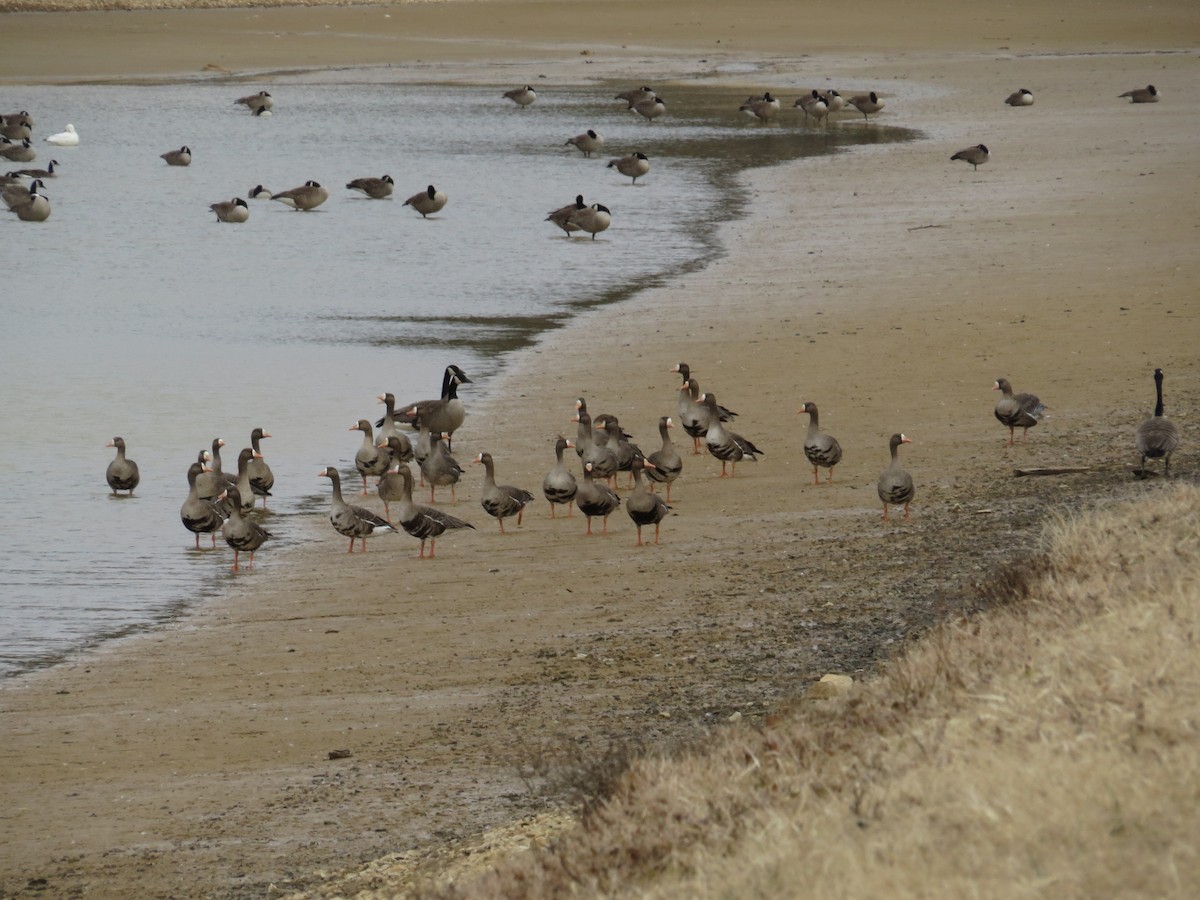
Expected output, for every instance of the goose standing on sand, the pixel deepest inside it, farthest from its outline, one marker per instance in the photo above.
(262, 479)
(763, 108)
(1148, 94)
(587, 143)
(308, 196)
(373, 188)
(696, 420)
(234, 210)
(122, 474)
(867, 104)
(1020, 98)
(180, 157)
(1017, 410)
(256, 102)
(562, 216)
(592, 219)
(667, 463)
(895, 486)
(22, 152)
(976, 156)
(595, 499)
(636, 95)
(727, 446)
(428, 201)
(402, 450)
(559, 486)
(650, 108)
(351, 521)
(618, 441)
(599, 454)
(633, 166)
(1157, 437)
(522, 96)
(643, 505)
(584, 435)
(242, 534)
(199, 516)
(423, 522)
(444, 414)
(399, 450)
(66, 138)
(820, 449)
(500, 500)
(369, 460)
(439, 468)
(34, 208)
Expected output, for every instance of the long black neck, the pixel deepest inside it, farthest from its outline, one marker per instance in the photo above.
(1158, 380)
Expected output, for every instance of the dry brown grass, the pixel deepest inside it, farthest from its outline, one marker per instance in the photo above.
(1048, 748)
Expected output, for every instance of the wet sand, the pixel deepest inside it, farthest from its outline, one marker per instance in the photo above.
(888, 284)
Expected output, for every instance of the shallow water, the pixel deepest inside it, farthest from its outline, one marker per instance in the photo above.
(132, 312)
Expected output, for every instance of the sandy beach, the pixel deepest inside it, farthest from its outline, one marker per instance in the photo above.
(887, 284)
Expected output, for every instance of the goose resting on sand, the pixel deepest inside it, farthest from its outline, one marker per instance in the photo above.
(1148, 94)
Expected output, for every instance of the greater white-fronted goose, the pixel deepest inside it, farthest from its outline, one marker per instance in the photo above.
(562, 216)
(619, 442)
(695, 417)
(867, 104)
(369, 460)
(595, 498)
(373, 188)
(895, 486)
(242, 534)
(1020, 98)
(650, 108)
(636, 95)
(727, 446)
(262, 479)
(245, 490)
(199, 516)
(592, 219)
(559, 485)
(584, 435)
(423, 522)
(180, 157)
(34, 208)
(588, 142)
(308, 196)
(234, 210)
(122, 474)
(821, 449)
(634, 166)
(388, 430)
(47, 172)
(500, 500)
(439, 468)
(256, 102)
(522, 96)
(1157, 437)
(643, 505)
(428, 201)
(667, 463)
(68, 137)
(1017, 410)
(19, 152)
(763, 108)
(213, 480)
(353, 522)
(444, 414)
(598, 453)
(976, 156)
(399, 448)
(1148, 94)
(422, 446)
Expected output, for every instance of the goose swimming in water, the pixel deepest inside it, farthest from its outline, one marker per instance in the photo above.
(67, 138)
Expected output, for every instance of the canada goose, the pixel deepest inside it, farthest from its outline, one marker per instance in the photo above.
(428, 201)
(976, 156)
(588, 142)
(67, 138)
(258, 192)
(17, 118)
(122, 473)
(262, 113)
(1017, 410)
(763, 108)
(15, 193)
(16, 131)
(561, 216)
(47, 172)
(180, 157)
(256, 102)
(11, 178)
(22, 152)
(1157, 437)
(650, 108)
(815, 105)
(635, 166)
(309, 196)
(36, 208)
(234, 210)
(522, 96)
(636, 95)
(834, 101)
(1020, 98)
(1148, 94)
(867, 104)
(895, 486)
(373, 188)
(592, 219)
